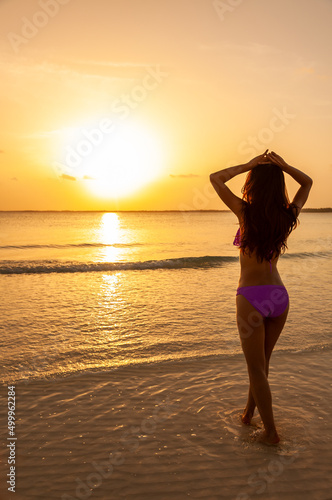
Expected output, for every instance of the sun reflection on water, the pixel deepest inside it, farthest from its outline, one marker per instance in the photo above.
(110, 234)
(110, 282)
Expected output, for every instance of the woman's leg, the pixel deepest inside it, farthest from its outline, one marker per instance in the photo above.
(251, 327)
(273, 328)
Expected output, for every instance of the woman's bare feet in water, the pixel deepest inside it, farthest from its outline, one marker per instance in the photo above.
(247, 416)
(265, 438)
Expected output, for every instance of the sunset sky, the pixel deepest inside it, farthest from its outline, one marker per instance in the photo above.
(131, 104)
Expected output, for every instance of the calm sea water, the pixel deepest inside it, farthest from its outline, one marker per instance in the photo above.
(85, 291)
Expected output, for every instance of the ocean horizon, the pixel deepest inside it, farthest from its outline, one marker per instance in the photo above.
(323, 209)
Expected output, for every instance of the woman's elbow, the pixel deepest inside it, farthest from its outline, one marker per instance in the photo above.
(307, 182)
(216, 180)
(212, 179)
(310, 182)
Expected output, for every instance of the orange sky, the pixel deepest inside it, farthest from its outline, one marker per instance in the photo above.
(130, 105)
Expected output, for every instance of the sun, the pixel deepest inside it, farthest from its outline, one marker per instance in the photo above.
(127, 159)
(112, 163)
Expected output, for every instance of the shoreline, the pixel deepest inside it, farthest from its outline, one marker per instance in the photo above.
(169, 365)
(174, 430)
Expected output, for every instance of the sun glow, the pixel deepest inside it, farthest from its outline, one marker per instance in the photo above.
(110, 235)
(122, 162)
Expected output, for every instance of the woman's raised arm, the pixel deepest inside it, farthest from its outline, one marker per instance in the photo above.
(218, 179)
(303, 179)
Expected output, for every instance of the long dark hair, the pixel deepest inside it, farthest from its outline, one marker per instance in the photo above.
(268, 216)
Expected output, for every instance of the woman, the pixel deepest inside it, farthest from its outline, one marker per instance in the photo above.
(266, 219)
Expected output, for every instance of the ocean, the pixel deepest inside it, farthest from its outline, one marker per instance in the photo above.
(105, 316)
(86, 291)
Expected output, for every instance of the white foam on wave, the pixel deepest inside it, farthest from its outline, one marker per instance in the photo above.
(54, 266)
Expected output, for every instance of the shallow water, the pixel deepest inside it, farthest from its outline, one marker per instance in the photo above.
(173, 429)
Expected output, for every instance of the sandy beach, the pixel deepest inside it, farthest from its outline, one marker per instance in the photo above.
(172, 430)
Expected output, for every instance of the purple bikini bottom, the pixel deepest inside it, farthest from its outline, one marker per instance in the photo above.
(268, 300)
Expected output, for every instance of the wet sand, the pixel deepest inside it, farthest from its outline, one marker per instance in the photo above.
(172, 430)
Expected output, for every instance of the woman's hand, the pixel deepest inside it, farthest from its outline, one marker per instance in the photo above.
(259, 160)
(277, 160)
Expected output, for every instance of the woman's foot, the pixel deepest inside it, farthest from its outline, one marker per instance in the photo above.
(247, 416)
(265, 438)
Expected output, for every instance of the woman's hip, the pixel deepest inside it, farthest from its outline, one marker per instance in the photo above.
(268, 300)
